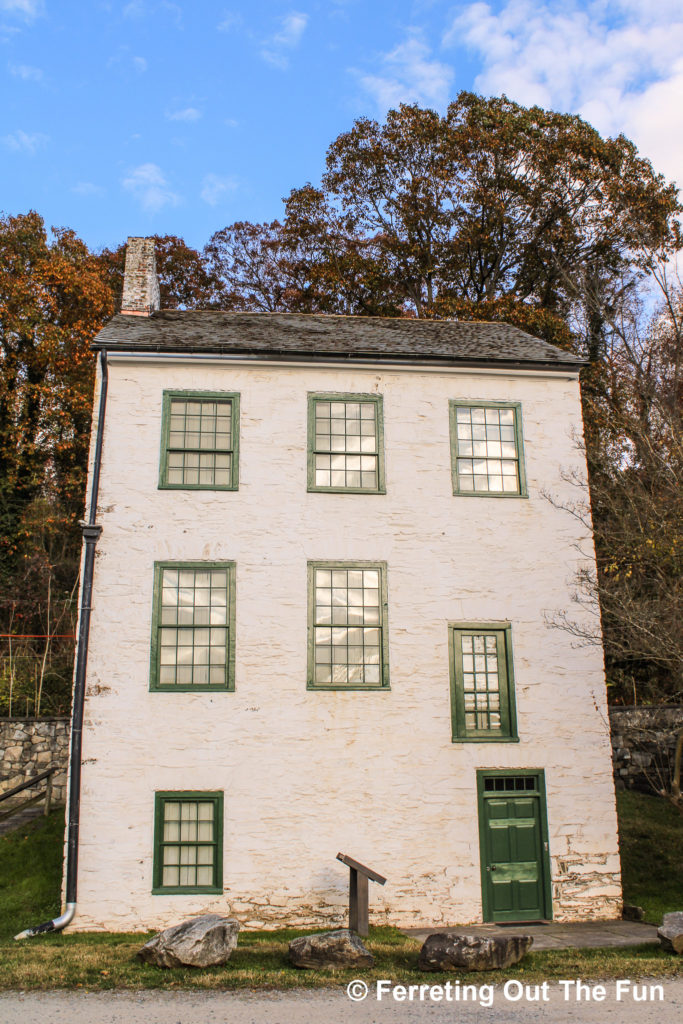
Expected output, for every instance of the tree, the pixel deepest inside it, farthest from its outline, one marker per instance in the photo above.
(491, 210)
(633, 405)
(53, 298)
(246, 258)
(497, 201)
(312, 262)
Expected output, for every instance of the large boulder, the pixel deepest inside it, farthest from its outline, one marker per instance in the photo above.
(671, 932)
(338, 949)
(205, 941)
(442, 952)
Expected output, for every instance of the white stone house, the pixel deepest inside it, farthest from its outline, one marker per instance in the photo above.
(319, 624)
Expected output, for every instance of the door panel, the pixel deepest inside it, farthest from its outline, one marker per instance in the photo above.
(513, 856)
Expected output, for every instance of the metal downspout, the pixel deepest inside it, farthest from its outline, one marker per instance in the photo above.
(91, 532)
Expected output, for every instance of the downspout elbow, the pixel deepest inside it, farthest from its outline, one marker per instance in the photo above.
(55, 925)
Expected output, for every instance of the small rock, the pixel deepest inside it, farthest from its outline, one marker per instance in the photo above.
(631, 912)
(205, 941)
(337, 949)
(442, 952)
(671, 932)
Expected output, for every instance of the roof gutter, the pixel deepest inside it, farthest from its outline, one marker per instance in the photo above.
(372, 359)
(91, 532)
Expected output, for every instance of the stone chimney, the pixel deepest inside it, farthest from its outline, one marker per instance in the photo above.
(140, 282)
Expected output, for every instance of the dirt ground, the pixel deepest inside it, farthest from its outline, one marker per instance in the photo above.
(335, 1007)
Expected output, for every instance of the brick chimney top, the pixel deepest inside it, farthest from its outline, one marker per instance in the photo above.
(140, 281)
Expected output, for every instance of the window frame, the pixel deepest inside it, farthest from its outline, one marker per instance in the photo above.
(506, 684)
(471, 403)
(332, 564)
(229, 685)
(345, 396)
(199, 396)
(180, 796)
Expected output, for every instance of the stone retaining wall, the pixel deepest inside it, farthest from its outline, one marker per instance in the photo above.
(643, 742)
(28, 746)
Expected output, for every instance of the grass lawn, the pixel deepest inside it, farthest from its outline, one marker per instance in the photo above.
(651, 841)
(30, 873)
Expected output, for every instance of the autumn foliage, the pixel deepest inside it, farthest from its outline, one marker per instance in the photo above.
(491, 211)
(53, 298)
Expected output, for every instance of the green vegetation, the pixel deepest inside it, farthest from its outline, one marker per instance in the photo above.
(260, 962)
(30, 872)
(651, 843)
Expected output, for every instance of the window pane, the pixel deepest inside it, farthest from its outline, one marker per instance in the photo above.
(199, 599)
(199, 442)
(186, 847)
(488, 434)
(346, 428)
(346, 599)
(481, 677)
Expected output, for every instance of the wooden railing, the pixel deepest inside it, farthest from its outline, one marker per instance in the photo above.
(46, 777)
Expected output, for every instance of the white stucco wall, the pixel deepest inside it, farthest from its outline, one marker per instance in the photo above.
(308, 774)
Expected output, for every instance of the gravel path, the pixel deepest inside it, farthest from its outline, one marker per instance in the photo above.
(336, 1008)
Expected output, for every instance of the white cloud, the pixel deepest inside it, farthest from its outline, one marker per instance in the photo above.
(125, 61)
(409, 75)
(214, 188)
(28, 9)
(25, 71)
(276, 47)
(25, 142)
(187, 114)
(617, 63)
(140, 9)
(87, 188)
(230, 21)
(149, 186)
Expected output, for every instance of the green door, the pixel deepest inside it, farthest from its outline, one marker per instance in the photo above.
(514, 847)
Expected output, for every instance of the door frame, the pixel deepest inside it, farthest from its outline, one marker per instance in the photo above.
(539, 773)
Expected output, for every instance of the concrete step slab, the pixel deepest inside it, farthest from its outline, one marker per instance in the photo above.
(555, 935)
(19, 819)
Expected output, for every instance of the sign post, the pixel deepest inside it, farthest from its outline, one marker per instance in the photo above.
(358, 893)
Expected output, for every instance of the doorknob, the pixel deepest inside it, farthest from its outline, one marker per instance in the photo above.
(493, 867)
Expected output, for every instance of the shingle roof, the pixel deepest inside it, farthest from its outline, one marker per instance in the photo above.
(317, 336)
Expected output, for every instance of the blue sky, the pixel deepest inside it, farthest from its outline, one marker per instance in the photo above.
(148, 116)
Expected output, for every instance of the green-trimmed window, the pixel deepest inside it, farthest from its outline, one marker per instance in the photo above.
(346, 443)
(482, 683)
(188, 842)
(486, 448)
(193, 626)
(348, 642)
(200, 441)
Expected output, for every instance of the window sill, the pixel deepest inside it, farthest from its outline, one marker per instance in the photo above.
(198, 487)
(193, 688)
(348, 686)
(345, 490)
(490, 494)
(485, 739)
(188, 889)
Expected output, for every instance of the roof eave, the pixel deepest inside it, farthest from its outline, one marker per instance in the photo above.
(335, 357)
